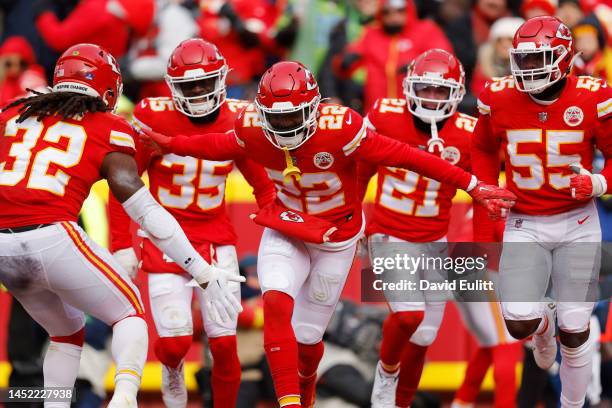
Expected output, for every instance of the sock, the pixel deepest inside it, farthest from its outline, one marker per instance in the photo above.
(226, 371)
(575, 372)
(474, 374)
(411, 368)
(281, 347)
(309, 357)
(129, 349)
(504, 373)
(171, 350)
(61, 364)
(397, 329)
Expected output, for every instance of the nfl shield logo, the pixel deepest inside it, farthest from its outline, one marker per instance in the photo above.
(518, 223)
(543, 116)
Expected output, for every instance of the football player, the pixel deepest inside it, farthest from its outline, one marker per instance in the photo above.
(415, 210)
(193, 191)
(54, 146)
(547, 121)
(310, 151)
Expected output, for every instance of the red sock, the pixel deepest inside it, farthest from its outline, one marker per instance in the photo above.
(504, 374)
(309, 356)
(281, 347)
(397, 329)
(474, 375)
(411, 368)
(226, 371)
(171, 350)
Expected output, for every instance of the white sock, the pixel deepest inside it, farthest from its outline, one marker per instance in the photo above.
(576, 371)
(60, 368)
(129, 348)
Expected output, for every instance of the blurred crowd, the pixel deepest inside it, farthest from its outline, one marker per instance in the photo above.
(358, 49)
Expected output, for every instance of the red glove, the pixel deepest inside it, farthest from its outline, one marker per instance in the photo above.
(304, 227)
(585, 185)
(495, 199)
(155, 141)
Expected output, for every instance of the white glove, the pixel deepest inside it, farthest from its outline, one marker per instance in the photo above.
(219, 299)
(128, 260)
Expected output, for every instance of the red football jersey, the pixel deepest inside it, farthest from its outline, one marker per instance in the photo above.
(47, 168)
(540, 141)
(327, 186)
(408, 205)
(192, 190)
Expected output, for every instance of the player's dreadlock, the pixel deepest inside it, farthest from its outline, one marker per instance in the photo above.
(66, 104)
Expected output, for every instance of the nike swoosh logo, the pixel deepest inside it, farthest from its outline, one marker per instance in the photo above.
(583, 220)
(349, 120)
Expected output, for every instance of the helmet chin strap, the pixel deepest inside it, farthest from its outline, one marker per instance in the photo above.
(435, 142)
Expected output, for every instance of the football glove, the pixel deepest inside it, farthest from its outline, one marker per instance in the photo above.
(219, 299)
(157, 142)
(584, 184)
(495, 199)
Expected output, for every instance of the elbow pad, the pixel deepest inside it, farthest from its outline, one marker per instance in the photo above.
(165, 232)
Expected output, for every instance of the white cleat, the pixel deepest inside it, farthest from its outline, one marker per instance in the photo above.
(385, 384)
(545, 343)
(174, 391)
(123, 400)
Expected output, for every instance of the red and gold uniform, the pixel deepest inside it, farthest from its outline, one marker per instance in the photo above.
(47, 168)
(192, 190)
(407, 205)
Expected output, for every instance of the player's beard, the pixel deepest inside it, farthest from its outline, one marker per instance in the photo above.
(552, 92)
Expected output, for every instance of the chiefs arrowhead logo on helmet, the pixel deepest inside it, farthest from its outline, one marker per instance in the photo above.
(291, 216)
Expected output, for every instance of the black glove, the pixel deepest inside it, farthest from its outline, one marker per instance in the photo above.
(41, 6)
(285, 37)
(349, 59)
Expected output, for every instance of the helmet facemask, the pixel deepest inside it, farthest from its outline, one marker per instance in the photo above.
(198, 93)
(432, 109)
(288, 126)
(535, 69)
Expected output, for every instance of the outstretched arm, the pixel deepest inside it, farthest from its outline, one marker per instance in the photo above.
(379, 149)
(210, 146)
(121, 171)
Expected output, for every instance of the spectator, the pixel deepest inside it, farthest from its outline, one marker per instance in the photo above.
(470, 31)
(148, 57)
(569, 12)
(535, 8)
(385, 49)
(243, 30)
(17, 21)
(595, 56)
(317, 20)
(348, 91)
(110, 26)
(493, 57)
(20, 70)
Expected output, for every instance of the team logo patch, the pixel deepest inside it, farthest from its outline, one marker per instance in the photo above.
(323, 160)
(451, 154)
(291, 216)
(573, 116)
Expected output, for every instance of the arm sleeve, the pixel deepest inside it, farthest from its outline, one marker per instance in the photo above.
(484, 158)
(211, 146)
(256, 176)
(381, 150)
(60, 35)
